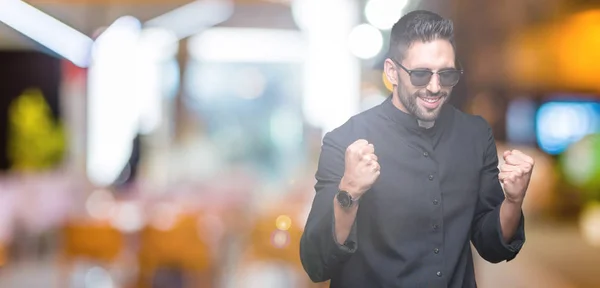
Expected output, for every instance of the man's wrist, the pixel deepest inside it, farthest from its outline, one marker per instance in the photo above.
(514, 202)
(512, 206)
(351, 189)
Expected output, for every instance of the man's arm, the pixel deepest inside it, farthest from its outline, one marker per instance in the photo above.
(498, 230)
(511, 215)
(344, 217)
(328, 224)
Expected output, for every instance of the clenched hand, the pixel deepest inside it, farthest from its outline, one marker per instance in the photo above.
(362, 168)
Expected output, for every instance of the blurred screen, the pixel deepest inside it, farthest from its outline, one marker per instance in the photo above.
(520, 121)
(562, 123)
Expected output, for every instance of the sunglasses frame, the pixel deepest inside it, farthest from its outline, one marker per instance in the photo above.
(431, 74)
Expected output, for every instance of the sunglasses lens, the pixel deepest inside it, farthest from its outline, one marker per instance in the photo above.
(420, 78)
(449, 78)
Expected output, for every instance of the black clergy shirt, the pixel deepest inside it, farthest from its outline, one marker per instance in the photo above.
(438, 191)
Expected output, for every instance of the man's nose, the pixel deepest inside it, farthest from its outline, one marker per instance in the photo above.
(434, 84)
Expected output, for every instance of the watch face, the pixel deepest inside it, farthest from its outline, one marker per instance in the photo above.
(344, 199)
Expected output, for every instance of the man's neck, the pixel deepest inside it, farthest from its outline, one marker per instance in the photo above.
(398, 104)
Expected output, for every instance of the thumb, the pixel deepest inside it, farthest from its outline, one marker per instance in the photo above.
(506, 153)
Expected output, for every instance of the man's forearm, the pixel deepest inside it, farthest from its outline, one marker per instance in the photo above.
(510, 217)
(344, 219)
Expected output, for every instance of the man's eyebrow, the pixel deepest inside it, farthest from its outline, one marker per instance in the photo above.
(448, 68)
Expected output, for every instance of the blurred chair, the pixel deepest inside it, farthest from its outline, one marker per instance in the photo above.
(3, 256)
(95, 241)
(179, 247)
(269, 242)
(274, 239)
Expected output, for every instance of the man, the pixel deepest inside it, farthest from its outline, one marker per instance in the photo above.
(405, 187)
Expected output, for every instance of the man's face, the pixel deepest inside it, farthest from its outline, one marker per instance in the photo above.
(425, 101)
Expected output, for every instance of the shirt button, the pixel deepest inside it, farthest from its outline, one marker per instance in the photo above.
(430, 177)
(426, 154)
(435, 226)
(439, 274)
(435, 202)
(436, 250)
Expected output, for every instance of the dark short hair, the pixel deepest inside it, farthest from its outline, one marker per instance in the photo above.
(418, 25)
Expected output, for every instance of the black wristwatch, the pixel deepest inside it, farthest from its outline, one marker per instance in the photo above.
(345, 199)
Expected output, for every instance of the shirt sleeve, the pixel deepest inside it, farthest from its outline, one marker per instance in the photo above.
(486, 229)
(320, 253)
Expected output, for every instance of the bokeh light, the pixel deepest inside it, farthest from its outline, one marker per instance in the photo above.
(280, 239)
(100, 204)
(581, 163)
(365, 41)
(590, 224)
(383, 14)
(283, 222)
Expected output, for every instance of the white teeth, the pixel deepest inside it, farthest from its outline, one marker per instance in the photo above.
(430, 100)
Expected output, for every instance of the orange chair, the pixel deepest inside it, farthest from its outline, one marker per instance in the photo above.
(90, 240)
(179, 246)
(94, 240)
(275, 237)
(3, 256)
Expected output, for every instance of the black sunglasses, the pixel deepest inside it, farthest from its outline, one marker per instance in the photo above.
(422, 77)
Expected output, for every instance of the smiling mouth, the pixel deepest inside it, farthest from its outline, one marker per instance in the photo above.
(431, 99)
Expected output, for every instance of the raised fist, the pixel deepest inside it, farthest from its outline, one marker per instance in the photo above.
(515, 174)
(362, 168)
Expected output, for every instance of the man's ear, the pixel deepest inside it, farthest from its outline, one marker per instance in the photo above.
(389, 68)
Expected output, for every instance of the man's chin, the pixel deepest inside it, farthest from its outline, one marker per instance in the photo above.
(428, 115)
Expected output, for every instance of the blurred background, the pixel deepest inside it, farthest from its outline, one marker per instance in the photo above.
(154, 143)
